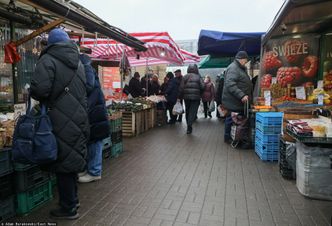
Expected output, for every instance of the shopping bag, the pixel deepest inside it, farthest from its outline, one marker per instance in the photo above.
(212, 107)
(33, 139)
(240, 126)
(177, 109)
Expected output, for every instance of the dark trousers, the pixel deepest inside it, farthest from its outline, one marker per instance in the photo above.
(179, 117)
(217, 112)
(170, 110)
(228, 127)
(191, 110)
(206, 105)
(67, 189)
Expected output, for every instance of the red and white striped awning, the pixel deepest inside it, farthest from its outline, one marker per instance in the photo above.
(161, 50)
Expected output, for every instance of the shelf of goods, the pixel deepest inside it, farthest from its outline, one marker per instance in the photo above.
(267, 136)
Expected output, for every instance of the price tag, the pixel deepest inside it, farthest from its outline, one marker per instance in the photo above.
(320, 84)
(267, 97)
(300, 93)
(320, 98)
(274, 80)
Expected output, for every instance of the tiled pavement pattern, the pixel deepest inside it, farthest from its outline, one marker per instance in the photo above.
(166, 177)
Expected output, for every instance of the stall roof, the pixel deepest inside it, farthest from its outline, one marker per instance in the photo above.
(161, 49)
(299, 17)
(215, 62)
(34, 13)
(223, 44)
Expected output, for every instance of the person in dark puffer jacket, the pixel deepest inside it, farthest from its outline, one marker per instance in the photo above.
(190, 90)
(171, 95)
(59, 82)
(99, 125)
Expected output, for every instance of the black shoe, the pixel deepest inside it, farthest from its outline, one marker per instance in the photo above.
(210, 115)
(64, 214)
(171, 122)
(189, 130)
(179, 120)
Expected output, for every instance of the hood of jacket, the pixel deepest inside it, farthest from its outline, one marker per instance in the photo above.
(65, 52)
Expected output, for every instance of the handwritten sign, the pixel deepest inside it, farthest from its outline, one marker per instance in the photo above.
(300, 93)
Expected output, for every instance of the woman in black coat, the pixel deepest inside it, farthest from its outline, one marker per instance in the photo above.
(59, 82)
(171, 95)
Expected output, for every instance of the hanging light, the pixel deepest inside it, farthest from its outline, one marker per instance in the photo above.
(162, 52)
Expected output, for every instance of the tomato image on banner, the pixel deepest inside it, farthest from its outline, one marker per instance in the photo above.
(292, 60)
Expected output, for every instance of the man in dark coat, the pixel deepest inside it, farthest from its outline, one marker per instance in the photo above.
(99, 124)
(190, 90)
(171, 95)
(155, 87)
(179, 77)
(237, 91)
(135, 88)
(59, 82)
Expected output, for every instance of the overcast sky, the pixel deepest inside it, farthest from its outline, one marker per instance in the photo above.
(183, 19)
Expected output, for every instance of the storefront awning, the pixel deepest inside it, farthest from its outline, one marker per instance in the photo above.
(161, 49)
(223, 44)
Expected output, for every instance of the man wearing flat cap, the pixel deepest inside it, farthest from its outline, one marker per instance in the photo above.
(237, 92)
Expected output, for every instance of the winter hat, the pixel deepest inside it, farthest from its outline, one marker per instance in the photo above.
(242, 55)
(57, 35)
(176, 71)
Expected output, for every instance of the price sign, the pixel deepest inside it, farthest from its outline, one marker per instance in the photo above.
(300, 93)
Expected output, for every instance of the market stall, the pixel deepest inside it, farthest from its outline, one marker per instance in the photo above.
(23, 32)
(295, 79)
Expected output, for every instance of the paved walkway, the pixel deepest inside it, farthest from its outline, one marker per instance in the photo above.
(166, 177)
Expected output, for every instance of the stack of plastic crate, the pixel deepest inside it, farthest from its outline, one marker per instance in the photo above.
(33, 187)
(7, 194)
(116, 137)
(267, 137)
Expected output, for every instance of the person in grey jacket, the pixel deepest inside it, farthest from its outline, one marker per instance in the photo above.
(191, 88)
(59, 82)
(237, 89)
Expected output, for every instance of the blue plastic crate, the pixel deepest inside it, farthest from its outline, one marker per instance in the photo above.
(267, 138)
(268, 156)
(266, 147)
(116, 149)
(269, 129)
(274, 118)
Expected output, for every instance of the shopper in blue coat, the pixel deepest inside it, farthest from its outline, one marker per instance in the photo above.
(99, 125)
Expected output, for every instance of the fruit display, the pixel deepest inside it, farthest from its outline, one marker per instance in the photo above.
(318, 92)
(310, 66)
(327, 76)
(277, 90)
(288, 75)
(266, 81)
(270, 61)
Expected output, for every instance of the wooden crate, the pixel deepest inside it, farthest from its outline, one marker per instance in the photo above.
(152, 117)
(132, 123)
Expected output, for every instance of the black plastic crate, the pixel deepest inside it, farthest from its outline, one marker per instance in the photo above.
(6, 165)
(28, 179)
(7, 208)
(116, 137)
(107, 153)
(6, 186)
(287, 161)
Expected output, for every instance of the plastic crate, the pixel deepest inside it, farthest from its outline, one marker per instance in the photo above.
(286, 170)
(6, 165)
(269, 129)
(267, 156)
(107, 153)
(31, 199)
(53, 179)
(30, 178)
(7, 208)
(267, 138)
(107, 143)
(116, 125)
(116, 137)
(22, 167)
(270, 118)
(6, 186)
(116, 149)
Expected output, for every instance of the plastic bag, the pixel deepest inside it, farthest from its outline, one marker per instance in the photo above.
(212, 107)
(177, 109)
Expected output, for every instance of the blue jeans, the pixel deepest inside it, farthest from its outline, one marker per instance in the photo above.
(95, 158)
